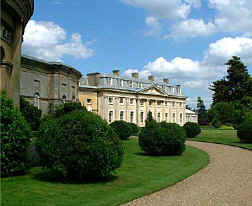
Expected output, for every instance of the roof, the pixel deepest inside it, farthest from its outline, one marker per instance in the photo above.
(190, 112)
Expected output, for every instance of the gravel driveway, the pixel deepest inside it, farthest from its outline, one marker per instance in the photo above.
(226, 181)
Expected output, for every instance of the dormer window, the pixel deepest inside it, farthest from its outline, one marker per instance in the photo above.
(121, 83)
(131, 84)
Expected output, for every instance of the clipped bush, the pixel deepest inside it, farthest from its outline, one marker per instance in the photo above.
(66, 108)
(244, 130)
(192, 129)
(31, 114)
(122, 128)
(15, 136)
(79, 145)
(162, 139)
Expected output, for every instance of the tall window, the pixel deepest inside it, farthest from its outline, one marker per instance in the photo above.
(142, 117)
(150, 102)
(37, 100)
(110, 100)
(166, 117)
(110, 116)
(121, 83)
(121, 100)
(141, 102)
(131, 101)
(131, 117)
(174, 117)
(64, 98)
(131, 84)
(159, 117)
(121, 115)
(181, 118)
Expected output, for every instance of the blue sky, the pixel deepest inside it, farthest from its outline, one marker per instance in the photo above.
(187, 41)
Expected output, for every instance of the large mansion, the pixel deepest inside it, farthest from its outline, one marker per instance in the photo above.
(130, 99)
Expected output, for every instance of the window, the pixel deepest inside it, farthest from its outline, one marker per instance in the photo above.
(141, 102)
(166, 117)
(180, 104)
(64, 84)
(159, 103)
(37, 100)
(110, 116)
(110, 100)
(121, 100)
(181, 118)
(121, 115)
(131, 84)
(131, 101)
(89, 101)
(6, 32)
(64, 98)
(159, 117)
(131, 117)
(73, 98)
(141, 117)
(121, 83)
(174, 117)
(173, 104)
(150, 102)
(166, 103)
(140, 85)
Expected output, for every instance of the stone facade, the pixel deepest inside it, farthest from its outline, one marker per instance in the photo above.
(191, 116)
(14, 16)
(46, 84)
(130, 99)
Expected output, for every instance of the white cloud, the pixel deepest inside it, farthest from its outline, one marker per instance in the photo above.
(165, 9)
(192, 28)
(233, 15)
(200, 74)
(47, 40)
(222, 50)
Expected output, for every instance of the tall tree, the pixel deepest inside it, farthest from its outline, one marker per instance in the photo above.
(235, 86)
(202, 112)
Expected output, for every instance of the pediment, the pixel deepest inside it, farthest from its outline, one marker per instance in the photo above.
(153, 91)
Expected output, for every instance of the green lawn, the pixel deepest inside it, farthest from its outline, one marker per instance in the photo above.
(228, 137)
(138, 176)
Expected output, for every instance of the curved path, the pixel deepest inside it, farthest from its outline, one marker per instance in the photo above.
(226, 181)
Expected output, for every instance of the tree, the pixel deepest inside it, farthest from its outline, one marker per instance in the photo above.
(202, 112)
(235, 86)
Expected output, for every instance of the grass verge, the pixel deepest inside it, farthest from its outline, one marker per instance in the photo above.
(227, 137)
(139, 175)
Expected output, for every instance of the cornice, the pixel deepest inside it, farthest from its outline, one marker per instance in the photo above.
(23, 8)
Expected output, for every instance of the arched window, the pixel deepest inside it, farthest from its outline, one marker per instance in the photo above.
(64, 98)
(37, 100)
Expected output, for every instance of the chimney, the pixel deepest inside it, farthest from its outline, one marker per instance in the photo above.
(166, 80)
(93, 79)
(116, 72)
(135, 75)
(151, 78)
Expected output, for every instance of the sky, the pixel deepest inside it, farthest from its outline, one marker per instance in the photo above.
(187, 41)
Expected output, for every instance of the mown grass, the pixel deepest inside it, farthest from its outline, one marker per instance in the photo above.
(139, 175)
(228, 137)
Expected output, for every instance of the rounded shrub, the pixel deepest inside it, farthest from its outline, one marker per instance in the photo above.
(134, 129)
(66, 108)
(216, 123)
(79, 145)
(122, 128)
(162, 139)
(244, 130)
(192, 129)
(15, 136)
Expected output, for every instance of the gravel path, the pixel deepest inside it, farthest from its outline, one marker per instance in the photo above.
(226, 181)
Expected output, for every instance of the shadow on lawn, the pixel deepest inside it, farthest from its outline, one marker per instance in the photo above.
(51, 176)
